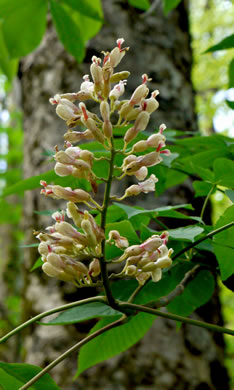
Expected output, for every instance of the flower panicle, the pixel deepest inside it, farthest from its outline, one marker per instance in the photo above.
(71, 251)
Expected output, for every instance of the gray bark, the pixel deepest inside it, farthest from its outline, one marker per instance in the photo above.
(164, 358)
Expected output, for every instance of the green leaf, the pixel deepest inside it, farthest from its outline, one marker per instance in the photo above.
(37, 264)
(226, 43)
(84, 313)
(141, 4)
(169, 5)
(49, 177)
(17, 373)
(114, 341)
(89, 27)
(223, 244)
(24, 24)
(224, 172)
(69, 30)
(231, 74)
(133, 211)
(187, 233)
(86, 8)
(230, 194)
(230, 104)
(8, 66)
(195, 294)
(201, 188)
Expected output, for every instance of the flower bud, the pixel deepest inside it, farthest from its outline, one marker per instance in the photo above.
(89, 232)
(142, 121)
(94, 268)
(156, 275)
(76, 136)
(66, 229)
(150, 105)
(130, 135)
(163, 262)
(119, 76)
(120, 242)
(64, 112)
(118, 90)
(155, 139)
(63, 170)
(50, 270)
(152, 244)
(73, 212)
(142, 277)
(43, 249)
(96, 72)
(133, 190)
(55, 260)
(141, 173)
(140, 93)
(140, 146)
(133, 250)
(117, 53)
(105, 111)
(131, 270)
(87, 86)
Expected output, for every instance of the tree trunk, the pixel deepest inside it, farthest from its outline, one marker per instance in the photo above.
(191, 358)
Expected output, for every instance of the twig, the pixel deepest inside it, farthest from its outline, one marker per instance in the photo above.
(206, 201)
(71, 350)
(52, 311)
(209, 235)
(105, 204)
(164, 301)
(175, 317)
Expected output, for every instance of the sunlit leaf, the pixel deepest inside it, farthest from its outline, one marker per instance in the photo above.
(226, 43)
(69, 30)
(24, 24)
(231, 74)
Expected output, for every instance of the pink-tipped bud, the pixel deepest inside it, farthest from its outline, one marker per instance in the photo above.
(58, 216)
(96, 72)
(140, 93)
(94, 268)
(150, 105)
(152, 244)
(118, 90)
(120, 242)
(155, 139)
(162, 128)
(87, 86)
(117, 53)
